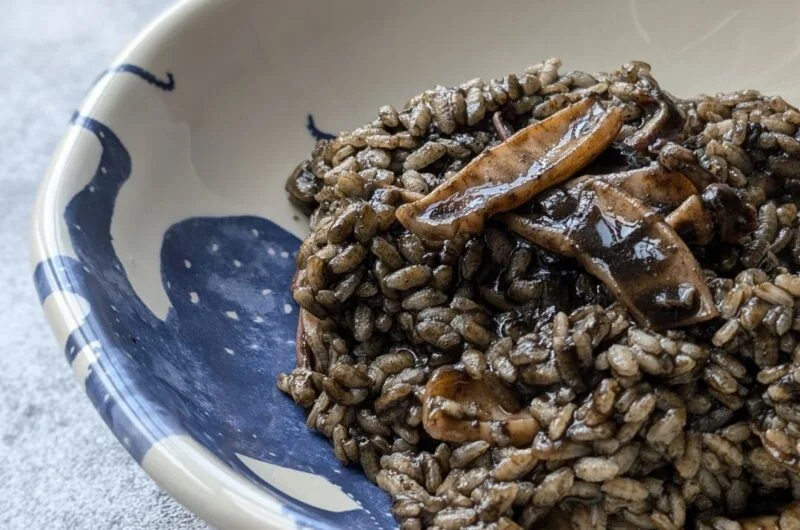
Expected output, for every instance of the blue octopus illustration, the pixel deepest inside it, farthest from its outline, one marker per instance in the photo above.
(209, 369)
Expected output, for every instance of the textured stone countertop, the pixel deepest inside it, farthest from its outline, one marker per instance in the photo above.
(60, 468)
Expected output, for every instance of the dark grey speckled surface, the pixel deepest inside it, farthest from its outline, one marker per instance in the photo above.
(60, 468)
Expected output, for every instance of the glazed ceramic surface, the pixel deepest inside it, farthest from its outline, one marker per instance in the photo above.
(163, 245)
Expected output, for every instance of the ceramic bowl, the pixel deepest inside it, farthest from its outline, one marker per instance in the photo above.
(163, 243)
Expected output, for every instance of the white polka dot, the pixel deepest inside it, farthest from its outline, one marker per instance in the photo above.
(254, 346)
(103, 170)
(229, 351)
(271, 251)
(237, 263)
(101, 134)
(78, 227)
(255, 436)
(187, 264)
(232, 315)
(91, 189)
(169, 285)
(287, 308)
(258, 320)
(254, 232)
(194, 297)
(266, 292)
(214, 247)
(284, 254)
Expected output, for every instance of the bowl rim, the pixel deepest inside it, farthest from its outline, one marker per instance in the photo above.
(186, 470)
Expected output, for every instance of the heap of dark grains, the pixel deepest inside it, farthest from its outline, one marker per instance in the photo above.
(688, 427)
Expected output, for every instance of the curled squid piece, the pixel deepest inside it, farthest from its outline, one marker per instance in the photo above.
(669, 193)
(663, 121)
(692, 221)
(659, 189)
(666, 122)
(508, 175)
(696, 212)
(732, 214)
(786, 456)
(625, 244)
(457, 408)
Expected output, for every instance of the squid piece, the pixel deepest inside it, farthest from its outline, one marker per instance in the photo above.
(663, 124)
(669, 193)
(510, 174)
(301, 337)
(694, 209)
(310, 350)
(733, 215)
(659, 189)
(457, 408)
(780, 455)
(504, 131)
(301, 353)
(694, 212)
(692, 222)
(626, 245)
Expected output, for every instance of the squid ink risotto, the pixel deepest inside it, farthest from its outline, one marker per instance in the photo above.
(559, 300)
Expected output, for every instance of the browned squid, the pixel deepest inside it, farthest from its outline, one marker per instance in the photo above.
(625, 244)
(508, 175)
(456, 408)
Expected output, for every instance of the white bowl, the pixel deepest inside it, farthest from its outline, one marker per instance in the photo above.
(163, 241)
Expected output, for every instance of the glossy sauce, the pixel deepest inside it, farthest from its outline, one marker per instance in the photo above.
(626, 245)
(508, 175)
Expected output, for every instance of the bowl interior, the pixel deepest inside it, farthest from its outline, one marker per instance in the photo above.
(164, 243)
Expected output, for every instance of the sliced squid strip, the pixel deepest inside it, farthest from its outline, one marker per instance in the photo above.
(508, 175)
(626, 245)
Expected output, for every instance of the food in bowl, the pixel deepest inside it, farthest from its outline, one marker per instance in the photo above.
(558, 299)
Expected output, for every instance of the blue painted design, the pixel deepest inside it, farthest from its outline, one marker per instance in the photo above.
(146, 75)
(316, 133)
(208, 370)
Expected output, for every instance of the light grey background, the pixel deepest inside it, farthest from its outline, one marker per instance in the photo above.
(60, 468)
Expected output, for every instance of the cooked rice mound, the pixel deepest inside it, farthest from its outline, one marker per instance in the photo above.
(468, 341)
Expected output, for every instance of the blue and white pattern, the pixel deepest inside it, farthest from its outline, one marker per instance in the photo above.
(208, 369)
